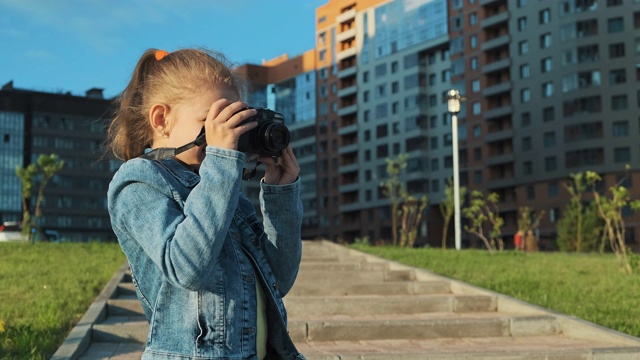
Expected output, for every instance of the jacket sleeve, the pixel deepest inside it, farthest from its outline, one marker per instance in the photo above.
(183, 240)
(282, 213)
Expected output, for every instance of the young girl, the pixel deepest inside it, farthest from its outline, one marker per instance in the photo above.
(209, 275)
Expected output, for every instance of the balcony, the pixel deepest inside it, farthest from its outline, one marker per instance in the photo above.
(352, 70)
(348, 110)
(348, 91)
(345, 16)
(495, 19)
(498, 135)
(497, 89)
(348, 149)
(496, 42)
(500, 159)
(497, 112)
(348, 129)
(348, 168)
(347, 34)
(496, 65)
(352, 51)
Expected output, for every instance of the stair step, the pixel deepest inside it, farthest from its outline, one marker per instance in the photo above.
(300, 307)
(487, 348)
(311, 288)
(421, 326)
(350, 276)
(124, 306)
(121, 329)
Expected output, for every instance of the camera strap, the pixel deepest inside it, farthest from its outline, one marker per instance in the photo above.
(167, 152)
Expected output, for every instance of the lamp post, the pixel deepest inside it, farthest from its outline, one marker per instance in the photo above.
(453, 102)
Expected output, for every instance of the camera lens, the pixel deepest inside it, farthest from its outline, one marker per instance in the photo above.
(276, 137)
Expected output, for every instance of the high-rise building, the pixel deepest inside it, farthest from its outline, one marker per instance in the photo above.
(549, 91)
(33, 123)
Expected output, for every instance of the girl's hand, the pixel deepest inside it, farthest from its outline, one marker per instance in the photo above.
(221, 125)
(284, 172)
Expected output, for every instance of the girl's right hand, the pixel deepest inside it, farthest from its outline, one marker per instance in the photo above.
(222, 127)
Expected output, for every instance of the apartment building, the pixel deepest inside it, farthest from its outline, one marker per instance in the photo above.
(34, 123)
(549, 91)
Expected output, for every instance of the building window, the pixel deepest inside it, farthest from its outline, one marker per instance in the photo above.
(525, 119)
(549, 139)
(525, 95)
(473, 41)
(526, 143)
(473, 19)
(474, 63)
(475, 85)
(523, 47)
(548, 114)
(527, 168)
(621, 155)
(545, 41)
(546, 65)
(545, 16)
(617, 76)
(550, 164)
(365, 76)
(522, 23)
(476, 110)
(525, 71)
(620, 128)
(615, 25)
(616, 50)
(547, 89)
(619, 102)
(477, 176)
(552, 189)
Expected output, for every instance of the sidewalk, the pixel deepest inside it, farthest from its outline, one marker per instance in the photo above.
(350, 305)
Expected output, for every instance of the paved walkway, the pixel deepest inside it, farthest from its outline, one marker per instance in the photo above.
(349, 305)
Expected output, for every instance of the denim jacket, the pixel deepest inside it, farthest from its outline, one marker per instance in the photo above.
(196, 246)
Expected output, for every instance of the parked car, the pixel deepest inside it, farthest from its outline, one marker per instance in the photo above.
(11, 231)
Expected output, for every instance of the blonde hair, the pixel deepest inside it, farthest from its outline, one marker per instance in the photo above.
(175, 77)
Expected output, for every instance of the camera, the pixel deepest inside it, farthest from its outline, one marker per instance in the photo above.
(269, 138)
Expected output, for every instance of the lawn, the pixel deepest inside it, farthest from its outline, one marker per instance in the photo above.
(45, 289)
(588, 286)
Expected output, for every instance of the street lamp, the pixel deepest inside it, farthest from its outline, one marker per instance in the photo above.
(453, 102)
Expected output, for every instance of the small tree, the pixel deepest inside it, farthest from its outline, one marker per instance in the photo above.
(403, 205)
(447, 208)
(610, 210)
(412, 210)
(393, 189)
(45, 168)
(482, 211)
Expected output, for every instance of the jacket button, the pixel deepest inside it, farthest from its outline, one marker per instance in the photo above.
(275, 285)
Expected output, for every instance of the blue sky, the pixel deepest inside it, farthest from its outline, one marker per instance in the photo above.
(75, 45)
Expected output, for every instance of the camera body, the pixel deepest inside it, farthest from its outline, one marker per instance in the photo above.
(269, 138)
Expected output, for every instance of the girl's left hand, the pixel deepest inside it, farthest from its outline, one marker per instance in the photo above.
(284, 172)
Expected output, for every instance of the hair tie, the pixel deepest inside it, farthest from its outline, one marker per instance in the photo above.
(160, 54)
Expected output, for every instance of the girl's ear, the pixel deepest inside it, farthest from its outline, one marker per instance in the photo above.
(158, 119)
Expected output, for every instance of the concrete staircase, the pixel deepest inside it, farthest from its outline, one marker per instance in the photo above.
(349, 305)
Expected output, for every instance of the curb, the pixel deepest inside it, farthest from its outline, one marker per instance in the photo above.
(79, 338)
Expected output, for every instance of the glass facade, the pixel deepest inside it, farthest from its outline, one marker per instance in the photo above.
(401, 24)
(11, 150)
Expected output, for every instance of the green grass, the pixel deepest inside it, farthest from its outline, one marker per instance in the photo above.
(45, 289)
(588, 286)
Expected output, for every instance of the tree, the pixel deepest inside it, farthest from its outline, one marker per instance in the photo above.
(393, 189)
(45, 168)
(403, 205)
(447, 208)
(573, 231)
(610, 210)
(484, 211)
(412, 210)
